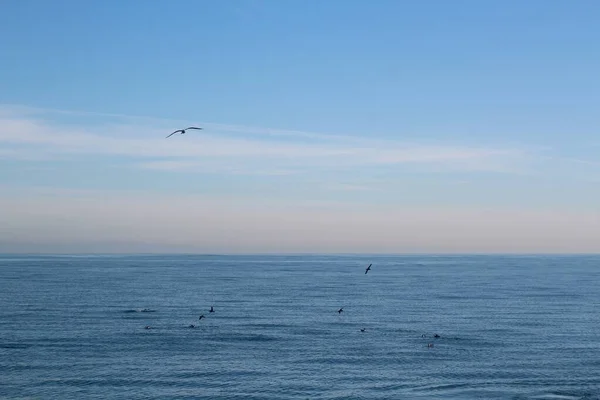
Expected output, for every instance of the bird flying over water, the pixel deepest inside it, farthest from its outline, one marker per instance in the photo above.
(211, 309)
(368, 269)
(200, 317)
(182, 130)
(340, 310)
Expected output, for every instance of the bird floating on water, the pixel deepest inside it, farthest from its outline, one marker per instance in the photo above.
(368, 269)
(200, 317)
(211, 309)
(182, 130)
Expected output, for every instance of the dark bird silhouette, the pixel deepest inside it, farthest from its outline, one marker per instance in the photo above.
(182, 130)
(363, 329)
(211, 309)
(192, 326)
(200, 317)
(436, 336)
(368, 269)
(340, 310)
(147, 327)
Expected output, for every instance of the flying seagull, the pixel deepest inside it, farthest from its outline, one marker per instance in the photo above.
(340, 310)
(200, 317)
(183, 130)
(368, 269)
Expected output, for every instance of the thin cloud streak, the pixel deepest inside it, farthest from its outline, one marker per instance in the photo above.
(137, 120)
(208, 167)
(43, 138)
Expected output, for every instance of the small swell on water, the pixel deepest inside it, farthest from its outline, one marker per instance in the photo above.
(216, 374)
(138, 310)
(264, 325)
(14, 346)
(442, 387)
(313, 332)
(246, 338)
(565, 396)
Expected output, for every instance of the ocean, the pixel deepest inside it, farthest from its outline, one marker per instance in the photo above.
(510, 327)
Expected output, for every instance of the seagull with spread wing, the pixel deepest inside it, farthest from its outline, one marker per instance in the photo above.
(368, 269)
(182, 130)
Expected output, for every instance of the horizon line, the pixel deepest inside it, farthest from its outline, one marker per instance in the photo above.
(338, 254)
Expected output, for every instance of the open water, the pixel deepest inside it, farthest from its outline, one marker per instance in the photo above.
(511, 327)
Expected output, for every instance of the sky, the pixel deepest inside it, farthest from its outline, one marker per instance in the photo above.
(328, 126)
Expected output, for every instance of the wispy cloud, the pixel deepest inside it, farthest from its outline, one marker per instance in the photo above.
(208, 166)
(352, 187)
(33, 133)
(582, 162)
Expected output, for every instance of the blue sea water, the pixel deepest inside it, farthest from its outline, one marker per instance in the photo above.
(511, 327)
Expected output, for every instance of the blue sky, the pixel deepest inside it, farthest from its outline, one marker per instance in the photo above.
(350, 114)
